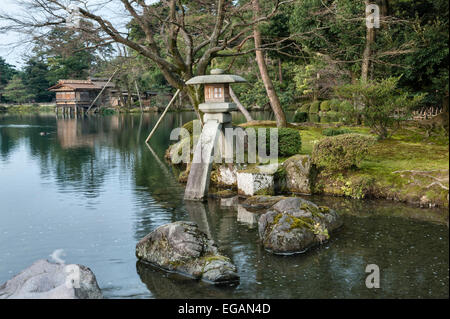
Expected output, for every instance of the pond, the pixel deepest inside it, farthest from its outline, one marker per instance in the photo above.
(91, 187)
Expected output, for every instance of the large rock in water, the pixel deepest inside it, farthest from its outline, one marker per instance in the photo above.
(298, 174)
(293, 225)
(44, 280)
(181, 247)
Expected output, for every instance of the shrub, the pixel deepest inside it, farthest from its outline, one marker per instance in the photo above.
(345, 107)
(380, 104)
(334, 105)
(300, 117)
(315, 106)
(325, 106)
(342, 151)
(305, 107)
(289, 141)
(335, 131)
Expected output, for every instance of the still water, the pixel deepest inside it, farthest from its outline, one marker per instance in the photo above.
(92, 188)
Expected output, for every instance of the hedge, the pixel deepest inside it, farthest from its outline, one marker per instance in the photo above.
(315, 107)
(300, 117)
(289, 141)
(305, 107)
(325, 106)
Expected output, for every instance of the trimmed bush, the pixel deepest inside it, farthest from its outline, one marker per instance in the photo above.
(345, 106)
(300, 117)
(305, 107)
(315, 107)
(341, 152)
(335, 105)
(325, 106)
(289, 141)
(335, 131)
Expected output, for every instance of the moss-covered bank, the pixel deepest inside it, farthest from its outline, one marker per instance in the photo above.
(409, 167)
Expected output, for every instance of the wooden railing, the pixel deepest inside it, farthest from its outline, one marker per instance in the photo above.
(426, 113)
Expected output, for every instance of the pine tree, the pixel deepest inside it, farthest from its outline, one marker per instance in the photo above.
(16, 91)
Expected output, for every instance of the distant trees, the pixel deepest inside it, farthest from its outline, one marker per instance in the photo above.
(16, 91)
(180, 37)
(36, 80)
(308, 47)
(7, 71)
(62, 54)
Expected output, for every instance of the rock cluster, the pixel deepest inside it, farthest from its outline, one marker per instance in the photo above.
(181, 247)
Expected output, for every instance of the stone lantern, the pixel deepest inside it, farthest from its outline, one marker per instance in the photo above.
(216, 119)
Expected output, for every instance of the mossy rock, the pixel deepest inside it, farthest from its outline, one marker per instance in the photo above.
(294, 225)
(181, 247)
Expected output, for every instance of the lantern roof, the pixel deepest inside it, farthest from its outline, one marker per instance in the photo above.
(217, 76)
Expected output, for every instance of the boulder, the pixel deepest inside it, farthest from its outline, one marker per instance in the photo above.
(181, 247)
(293, 225)
(45, 280)
(298, 169)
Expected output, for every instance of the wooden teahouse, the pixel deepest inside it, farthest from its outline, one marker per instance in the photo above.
(78, 95)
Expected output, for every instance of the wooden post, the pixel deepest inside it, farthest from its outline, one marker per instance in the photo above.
(109, 80)
(162, 116)
(139, 95)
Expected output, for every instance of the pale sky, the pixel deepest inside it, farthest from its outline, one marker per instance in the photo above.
(11, 55)
(14, 54)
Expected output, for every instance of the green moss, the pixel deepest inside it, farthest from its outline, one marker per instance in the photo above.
(301, 222)
(265, 192)
(208, 259)
(315, 211)
(324, 209)
(189, 126)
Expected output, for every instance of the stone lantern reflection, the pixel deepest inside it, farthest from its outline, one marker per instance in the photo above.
(217, 117)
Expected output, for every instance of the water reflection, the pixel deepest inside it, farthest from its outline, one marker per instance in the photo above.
(93, 188)
(336, 270)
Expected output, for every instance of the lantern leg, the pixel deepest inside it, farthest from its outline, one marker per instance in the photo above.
(199, 176)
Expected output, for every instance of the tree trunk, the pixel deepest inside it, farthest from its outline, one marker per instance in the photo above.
(370, 39)
(273, 97)
(241, 108)
(280, 71)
